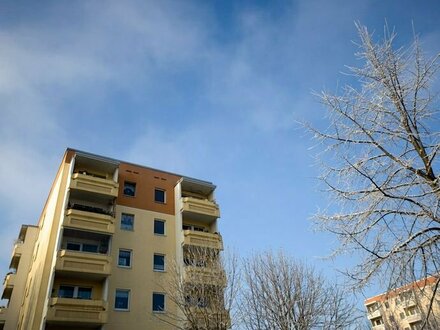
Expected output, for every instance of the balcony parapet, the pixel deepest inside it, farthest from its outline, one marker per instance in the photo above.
(373, 315)
(209, 317)
(379, 327)
(83, 262)
(3, 311)
(94, 184)
(89, 221)
(202, 239)
(8, 285)
(205, 275)
(16, 254)
(77, 311)
(417, 317)
(200, 208)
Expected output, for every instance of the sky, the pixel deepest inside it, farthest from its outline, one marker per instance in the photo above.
(214, 90)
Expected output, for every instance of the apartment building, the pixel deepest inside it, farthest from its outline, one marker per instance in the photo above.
(100, 256)
(406, 308)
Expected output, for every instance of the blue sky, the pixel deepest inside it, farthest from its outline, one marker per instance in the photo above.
(209, 89)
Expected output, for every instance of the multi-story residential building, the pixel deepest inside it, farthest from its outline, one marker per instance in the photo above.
(406, 308)
(103, 247)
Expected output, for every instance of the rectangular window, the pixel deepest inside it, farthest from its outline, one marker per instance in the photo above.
(127, 221)
(122, 299)
(159, 227)
(83, 247)
(158, 302)
(129, 189)
(159, 262)
(159, 195)
(124, 259)
(66, 291)
(90, 248)
(76, 292)
(84, 293)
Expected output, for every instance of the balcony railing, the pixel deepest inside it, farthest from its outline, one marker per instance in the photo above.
(83, 262)
(200, 208)
(89, 221)
(205, 275)
(94, 184)
(77, 311)
(417, 317)
(202, 239)
(3, 311)
(209, 317)
(374, 314)
(16, 254)
(379, 327)
(8, 285)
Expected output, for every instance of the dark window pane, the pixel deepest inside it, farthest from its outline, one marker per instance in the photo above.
(121, 299)
(159, 227)
(66, 291)
(90, 248)
(127, 221)
(159, 195)
(124, 258)
(129, 189)
(159, 262)
(73, 246)
(158, 302)
(84, 293)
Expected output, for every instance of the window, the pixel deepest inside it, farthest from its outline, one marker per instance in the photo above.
(402, 316)
(71, 291)
(84, 247)
(127, 221)
(121, 299)
(159, 195)
(124, 259)
(159, 262)
(387, 305)
(158, 302)
(159, 227)
(129, 189)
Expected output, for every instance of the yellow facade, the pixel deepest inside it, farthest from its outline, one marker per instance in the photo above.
(406, 308)
(103, 246)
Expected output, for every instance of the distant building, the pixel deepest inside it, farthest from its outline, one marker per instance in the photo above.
(405, 308)
(106, 237)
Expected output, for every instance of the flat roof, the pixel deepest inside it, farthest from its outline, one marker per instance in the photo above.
(117, 162)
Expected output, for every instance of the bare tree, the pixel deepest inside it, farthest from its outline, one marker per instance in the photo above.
(203, 288)
(382, 163)
(280, 293)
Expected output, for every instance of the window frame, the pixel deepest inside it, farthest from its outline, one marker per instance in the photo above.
(153, 304)
(164, 195)
(128, 291)
(130, 258)
(81, 246)
(75, 291)
(132, 224)
(134, 189)
(164, 227)
(154, 263)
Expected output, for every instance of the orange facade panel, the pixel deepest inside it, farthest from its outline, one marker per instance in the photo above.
(145, 182)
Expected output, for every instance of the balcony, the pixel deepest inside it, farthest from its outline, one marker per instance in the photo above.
(200, 209)
(94, 184)
(378, 327)
(409, 303)
(205, 275)
(77, 311)
(85, 220)
(211, 318)
(202, 239)
(373, 315)
(3, 311)
(83, 262)
(417, 317)
(16, 254)
(8, 285)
